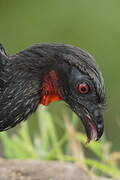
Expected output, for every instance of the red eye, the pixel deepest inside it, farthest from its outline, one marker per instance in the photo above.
(83, 88)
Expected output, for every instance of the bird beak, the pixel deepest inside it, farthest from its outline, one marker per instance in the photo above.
(92, 120)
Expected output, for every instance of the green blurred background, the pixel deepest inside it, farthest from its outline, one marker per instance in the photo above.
(90, 24)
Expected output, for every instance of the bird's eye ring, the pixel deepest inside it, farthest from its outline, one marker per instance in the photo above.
(83, 88)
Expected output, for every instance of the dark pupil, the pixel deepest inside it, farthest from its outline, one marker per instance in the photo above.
(83, 89)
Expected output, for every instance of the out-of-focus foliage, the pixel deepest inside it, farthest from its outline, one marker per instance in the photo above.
(48, 145)
(92, 25)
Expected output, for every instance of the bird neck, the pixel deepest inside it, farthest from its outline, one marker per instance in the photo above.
(46, 68)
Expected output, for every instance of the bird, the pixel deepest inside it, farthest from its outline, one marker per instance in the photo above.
(49, 72)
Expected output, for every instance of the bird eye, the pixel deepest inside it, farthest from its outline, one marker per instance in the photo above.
(83, 88)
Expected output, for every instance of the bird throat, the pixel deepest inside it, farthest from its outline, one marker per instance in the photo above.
(50, 90)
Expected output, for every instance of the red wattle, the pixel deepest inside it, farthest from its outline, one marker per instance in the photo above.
(50, 91)
(47, 99)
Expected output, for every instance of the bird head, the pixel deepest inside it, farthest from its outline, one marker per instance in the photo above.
(80, 91)
(50, 72)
